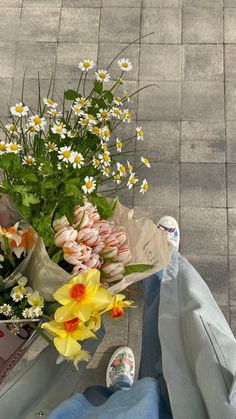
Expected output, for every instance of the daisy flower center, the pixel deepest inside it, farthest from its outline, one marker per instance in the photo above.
(103, 114)
(77, 159)
(102, 75)
(78, 290)
(145, 186)
(125, 65)
(122, 169)
(2, 147)
(96, 130)
(66, 154)
(132, 180)
(13, 127)
(86, 64)
(50, 101)
(37, 120)
(71, 325)
(141, 133)
(19, 109)
(59, 129)
(89, 184)
(14, 147)
(29, 160)
(52, 146)
(107, 170)
(117, 176)
(106, 157)
(97, 161)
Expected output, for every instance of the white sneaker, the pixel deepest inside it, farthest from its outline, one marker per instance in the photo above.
(122, 363)
(170, 225)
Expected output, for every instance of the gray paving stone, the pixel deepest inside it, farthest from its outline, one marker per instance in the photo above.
(202, 101)
(204, 130)
(232, 230)
(5, 91)
(119, 25)
(203, 231)
(202, 25)
(231, 184)
(81, 3)
(95, 373)
(230, 26)
(232, 281)
(203, 151)
(231, 141)
(202, 3)
(30, 91)
(41, 3)
(226, 312)
(230, 57)
(35, 26)
(35, 57)
(164, 22)
(11, 3)
(10, 20)
(116, 333)
(79, 25)
(203, 62)
(107, 53)
(202, 185)
(121, 3)
(165, 62)
(68, 57)
(230, 100)
(8, 55)
(229, 3)
(164, 185)
(214, 270)
(233, 320)
(156, 212)
(162, 3)
(161, 142)
(160, 103)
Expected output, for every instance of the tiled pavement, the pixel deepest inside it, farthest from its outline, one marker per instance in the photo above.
(189, 119)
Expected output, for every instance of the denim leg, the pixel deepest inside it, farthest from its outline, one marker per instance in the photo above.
(97, 395)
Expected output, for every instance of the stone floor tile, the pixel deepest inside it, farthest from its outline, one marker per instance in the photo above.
(231, 141)
(203, 231)
(230, 57)
(162, 3)
(107, 53)
(8, 56)
(119, 25)
(5, 91)
(230, 100)
(202, 25)
(166, 62)
(156, 212)
(232, 281)
(131, 87)
(42, 3)
(233, 320)
(30, 91)
(203, 62)
(202, 3)
(230, 26)
(95, 373)
(202, 101)
(231, 185)
(35, 57)
(34, 25)
(202, 151)
(81, 27)
(11, 3)
(164, 185)
(232, 230)
(116, 333)
(202, 185)
(229, 3)
(226, 312)
(164, 22)
(203, 130)
(68, 57)
(121, 3)
(214, 270)
(161, 142)
(10, 20)
(81, 3)
(160, 103)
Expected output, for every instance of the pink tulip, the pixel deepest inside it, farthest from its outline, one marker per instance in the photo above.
(60, 223)
(105, 228)
(109, 252)
(88, 236)
(93, 262)
(64, 235)
(79, 268)
(124, 255)
(85, 216)
(111, 241)
(114, 270)
(99, 246)
(120, 236)
(74, 252)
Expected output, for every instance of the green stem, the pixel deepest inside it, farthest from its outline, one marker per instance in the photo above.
(8, 251)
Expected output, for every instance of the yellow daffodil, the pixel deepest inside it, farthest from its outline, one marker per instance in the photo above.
(81, 296)
(116, 307)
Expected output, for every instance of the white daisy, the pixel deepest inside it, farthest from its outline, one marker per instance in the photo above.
(105, 133)
(17, 295)
(121, 169)
(145, 161)
(72, 134)
(29, 160)
(116, 112)
(118, 101)
(37, 122)
(94, 129)
(50, 103)
(43, 170)
(103, 115)
(86, 65)
(51, 146)
(55, 113)
(77, 159)
(104, 146)
(125, 64)
(3, 147)
(59, 128)
(5, 309)
(119, 145)
(38, 311)
(144, 187)
(117, 177)
(13, 129)
(126, 115)
(65, 154)
(90, 184)
(82, 101)
(19, 109)
(87, 120)
(13, 148)
(78, 110)
(105, 158)
(106, 171)
(28, 313)
(132, 180)
(140, 133)
(129, 166)
(96, 162)
(102, 76)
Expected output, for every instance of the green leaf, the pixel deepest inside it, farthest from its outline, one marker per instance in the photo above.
(70, 94)
(30, 177)
(51, 308)
(21, 189)
(49, 183)
(137, 267)
(57, 256)
(72, 190)
(97, 87)
(29, 198)
(103, 206)
(6, 162)
(107, 94)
